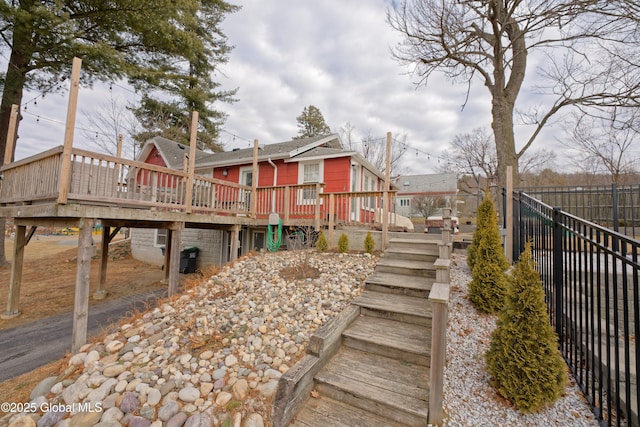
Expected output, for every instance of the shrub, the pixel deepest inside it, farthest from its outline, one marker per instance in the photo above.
(343, 243)
(321, 243)
(486, 218)
(369, 243)
(523, 355)
(488, 286)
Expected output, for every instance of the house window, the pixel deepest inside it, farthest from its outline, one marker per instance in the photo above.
(309, 173)
(405, 203)
(161, 237)
(369, 185)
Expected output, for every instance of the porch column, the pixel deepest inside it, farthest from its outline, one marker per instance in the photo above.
(107, 236)
(167, 255)
(174, 262)
(235, 242)
(83, 276)
(16, 272)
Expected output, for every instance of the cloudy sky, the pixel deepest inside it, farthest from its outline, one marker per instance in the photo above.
(289, 54)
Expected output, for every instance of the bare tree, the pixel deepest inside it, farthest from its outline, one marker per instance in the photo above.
(589, 47)
(426, 205)
(107, 122)
(473, 154)
(374, 149)
(606, 144)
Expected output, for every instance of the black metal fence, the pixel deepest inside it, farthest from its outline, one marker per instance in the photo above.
(590, 276)
(612, 206)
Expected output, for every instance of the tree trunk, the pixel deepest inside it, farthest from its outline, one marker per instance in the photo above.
(14, 85)
(506, 87)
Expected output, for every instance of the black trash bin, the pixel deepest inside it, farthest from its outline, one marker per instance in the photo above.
(188, 258)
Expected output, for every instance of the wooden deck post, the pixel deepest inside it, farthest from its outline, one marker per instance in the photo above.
(316, 219)
(332, 209)
(83, 276)
(167, 256)
(11, 135)
(193, 140)
(287, 204)
(254, 182)
(107, 237)
(385, 196)
(101, 293)
(174, 262)
(65, 165)
(16, 273)
(235, 242)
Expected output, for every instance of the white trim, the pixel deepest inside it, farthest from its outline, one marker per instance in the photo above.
(241, 175)
(315, 144)
(155, 238)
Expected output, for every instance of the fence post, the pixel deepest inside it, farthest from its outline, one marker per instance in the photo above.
(508, 209)
(557, 271)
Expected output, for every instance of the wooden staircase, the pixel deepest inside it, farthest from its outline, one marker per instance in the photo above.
(379, 374)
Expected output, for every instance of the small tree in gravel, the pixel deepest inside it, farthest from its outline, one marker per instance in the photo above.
(321, 243)
(523, 355)
(486, 218)
(343, 243)
(488, 286)
(369, 243)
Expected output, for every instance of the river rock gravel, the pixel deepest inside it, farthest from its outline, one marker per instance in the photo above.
(213, 355)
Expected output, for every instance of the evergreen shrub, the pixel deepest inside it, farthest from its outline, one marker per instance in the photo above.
(369, 243)
(321, 243)
(343, 243)
(488, 286)
(523, 356)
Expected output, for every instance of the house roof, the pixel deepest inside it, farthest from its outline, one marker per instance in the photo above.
(281, 150)
(171, 152)
(432, 183)
(318, 147)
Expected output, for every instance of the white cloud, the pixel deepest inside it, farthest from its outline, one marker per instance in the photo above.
(289, 54)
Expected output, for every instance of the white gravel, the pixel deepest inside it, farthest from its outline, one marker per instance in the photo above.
(469, 399)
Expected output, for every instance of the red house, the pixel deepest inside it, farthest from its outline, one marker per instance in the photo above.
(293, 176)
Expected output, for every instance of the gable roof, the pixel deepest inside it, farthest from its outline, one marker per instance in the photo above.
(171, 152)
(281, 150)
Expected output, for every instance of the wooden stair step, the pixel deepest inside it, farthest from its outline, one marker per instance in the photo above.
(325, 412)
(404, 341)
(356, 384)
(422, 241)
(406, 284)
(384, 372)
(404, 308)
(418, 253)
(403, 266)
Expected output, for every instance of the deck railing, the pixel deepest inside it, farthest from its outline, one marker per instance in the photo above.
(102, 179)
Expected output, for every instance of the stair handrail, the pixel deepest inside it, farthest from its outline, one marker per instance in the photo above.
(439, 298)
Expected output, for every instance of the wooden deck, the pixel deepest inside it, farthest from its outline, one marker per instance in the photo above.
(69, 187)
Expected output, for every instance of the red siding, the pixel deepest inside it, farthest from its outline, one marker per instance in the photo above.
(154, 158)
(336, 174)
